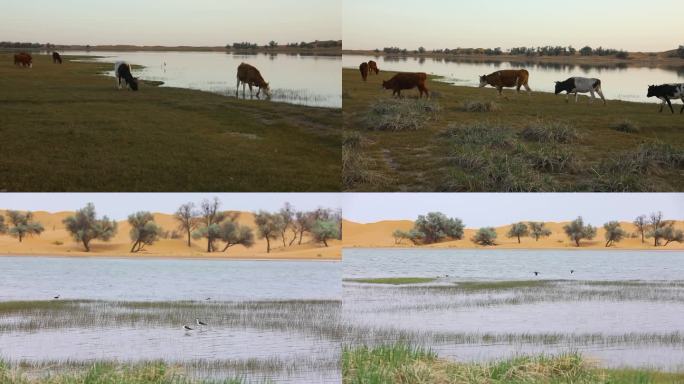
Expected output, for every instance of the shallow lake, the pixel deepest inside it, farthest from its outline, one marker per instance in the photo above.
(299, 79)
(266, 320)
(623, 309)
(628, 83)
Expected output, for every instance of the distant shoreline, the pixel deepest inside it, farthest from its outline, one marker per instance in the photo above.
(84, 255)
(336, 51)
(505, 247)
(635, 59)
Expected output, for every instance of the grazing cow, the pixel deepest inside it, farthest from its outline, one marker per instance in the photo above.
(507, 79)
(580, 85)
(665, 92)
(56, 58)
(23, 59)
(373, 67)
(363, 68)
(402, 81)
(123, 71)
(249, 75)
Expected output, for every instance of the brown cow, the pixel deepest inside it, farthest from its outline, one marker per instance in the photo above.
(507, 79)
(363, 68)
(402, 81)
(23, 59)
(56, 58)
(373, 67)
(249, 75)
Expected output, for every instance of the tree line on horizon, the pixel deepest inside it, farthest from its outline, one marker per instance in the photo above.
(540, 51)
(436, 227)
(208, 222)
(246, 45)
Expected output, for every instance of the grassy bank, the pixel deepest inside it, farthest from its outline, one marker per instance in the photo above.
(399, 363)
(394, 280)
(465, 139)
(104, 373)
(66, 128)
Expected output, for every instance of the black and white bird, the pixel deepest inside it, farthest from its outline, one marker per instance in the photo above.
(185, 327)
(536, 273)
(199, 323)
(56, 297)
(572, 271)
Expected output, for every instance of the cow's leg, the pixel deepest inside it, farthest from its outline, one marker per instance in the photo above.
(600, 92)
(662, 104)
(258, 92)
(118, 82)
(669, 103)
(593, 96)
(576, 97)
(682, 110)
(237, 87)
(567, 97)
(250, 92)
(528, 89)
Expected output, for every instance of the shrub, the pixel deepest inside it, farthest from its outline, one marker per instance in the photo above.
(356, 167)
(545, 131)
(627, 126)
(485, 236)
(482, 134)
(400, 114)
(480, 106)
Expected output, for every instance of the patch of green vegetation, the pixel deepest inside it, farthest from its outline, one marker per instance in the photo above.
(500, 285)
(399, 363)
(536, 143)
(108, 373)
(67, 128)
(400, 114)
(395, 280)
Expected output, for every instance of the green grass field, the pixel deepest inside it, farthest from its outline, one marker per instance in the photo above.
(466, 139)
(66, 128)
(401, 364)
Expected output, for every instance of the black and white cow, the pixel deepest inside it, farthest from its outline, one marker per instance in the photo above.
(123, 71)
(665, 92)
(578, 85)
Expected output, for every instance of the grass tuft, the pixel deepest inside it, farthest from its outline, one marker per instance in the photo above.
(480, 106)
(627, 126)
(550, 131)
(400, 114)
(394, 280)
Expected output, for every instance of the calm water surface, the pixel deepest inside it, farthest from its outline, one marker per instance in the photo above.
(297, 79)
(619, 82)
(623, 308)
(277, 315)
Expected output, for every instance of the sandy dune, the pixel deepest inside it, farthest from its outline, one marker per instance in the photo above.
(379, 234)
(55, 241)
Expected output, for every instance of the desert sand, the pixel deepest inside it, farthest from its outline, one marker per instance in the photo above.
(56, 241)
(379, 235)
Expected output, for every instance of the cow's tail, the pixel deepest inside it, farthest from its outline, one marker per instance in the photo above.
(597, 84)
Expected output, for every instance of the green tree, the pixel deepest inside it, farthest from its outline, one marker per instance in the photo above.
(144, 231)
(232, 233)
(85, 227)
(186, 215)
(485, 236)
(518, 230)
(577, 231)
(538, 230)
(23, 225)
(272, 44)
(641, 224)
(3, 226)
(436, 226)
(210, 217)
(302, 223)
(324, 230)
(421, 49)
(670, 234)
(268, 226)
(614, 233)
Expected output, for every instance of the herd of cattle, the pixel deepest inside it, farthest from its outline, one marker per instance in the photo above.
(247, 75)
(519, 78)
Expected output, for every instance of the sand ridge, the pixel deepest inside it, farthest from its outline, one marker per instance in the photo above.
(379, 235)
(56, 241)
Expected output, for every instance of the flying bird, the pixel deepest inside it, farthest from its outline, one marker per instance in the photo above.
(536, 273)
(56, 297)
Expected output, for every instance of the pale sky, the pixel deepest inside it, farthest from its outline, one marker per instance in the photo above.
(169, 22)
(119, 205)
(632, 25)
(495, 209)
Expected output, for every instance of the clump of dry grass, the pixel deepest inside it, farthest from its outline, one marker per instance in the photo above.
(480, 106)
(401, 114)
(356, 167)
(627, 126)
(550, 131)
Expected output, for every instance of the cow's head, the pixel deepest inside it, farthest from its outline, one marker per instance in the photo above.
(134, 84)
(483, 81)
(651, 91)
(559, 88)
(267, 90)
(385, 84)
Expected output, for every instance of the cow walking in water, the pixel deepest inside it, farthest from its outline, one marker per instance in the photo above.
(363, 68)
(373, 67)
(578, 85)
(508, 78)
(122, 71)
(56, 58)
(402, 81)
(249, 75)
(23, 59)
(665, 92)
